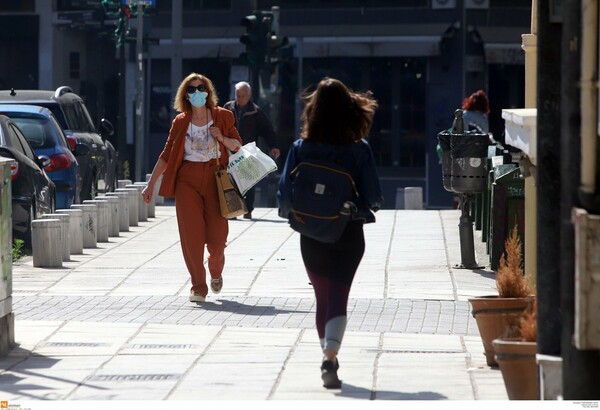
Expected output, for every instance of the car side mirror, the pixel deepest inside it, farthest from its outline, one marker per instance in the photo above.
(106, 128)
(81, 150)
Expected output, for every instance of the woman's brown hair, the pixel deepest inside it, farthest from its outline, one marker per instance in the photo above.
(182, 102)
(335, 114)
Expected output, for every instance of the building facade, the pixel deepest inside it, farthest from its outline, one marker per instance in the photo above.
(420, 58)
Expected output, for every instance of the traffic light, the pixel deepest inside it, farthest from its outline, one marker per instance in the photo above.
(256, 38)
(276, 47)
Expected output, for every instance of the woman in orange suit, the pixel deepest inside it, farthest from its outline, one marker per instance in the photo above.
(200, 135)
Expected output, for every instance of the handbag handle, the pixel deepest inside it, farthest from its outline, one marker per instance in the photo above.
(216, 150)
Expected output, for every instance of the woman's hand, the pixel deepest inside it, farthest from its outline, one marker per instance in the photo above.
(216, 133)
(147, 193)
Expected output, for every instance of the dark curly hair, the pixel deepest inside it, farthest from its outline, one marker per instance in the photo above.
(335, 114)
(478, 101)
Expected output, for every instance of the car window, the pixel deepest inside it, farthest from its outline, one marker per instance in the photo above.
(56, 128)
(2, 137)
(85, 120)
(36, 130)
(56, 111)
(12, 140)
(22, 141)
(72, 117)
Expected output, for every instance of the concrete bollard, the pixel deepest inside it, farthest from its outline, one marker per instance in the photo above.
(158, 200)
(122, 183)
(75, 229)
(64, 229)
(123, 198)
(102, 221)
(45, 243)
(150, 213)
(413, 198)
(133, 204)
(89, 220)
(113, 211)
(409, 198)
(142, 206)
(150, 210)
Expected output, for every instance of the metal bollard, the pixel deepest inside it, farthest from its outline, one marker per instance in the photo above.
(89, 220)
(123, 198)
(465, 231)
(45, 243)
(142, 206)
(113, 211)
(102, 221)
(75, 229)
(64, 229)
(133, 204)
(413, 198)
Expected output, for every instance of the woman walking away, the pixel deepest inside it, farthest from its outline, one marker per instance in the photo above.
(200, 136)
(335, 122)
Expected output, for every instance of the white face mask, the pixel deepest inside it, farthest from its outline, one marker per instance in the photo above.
(198, 98)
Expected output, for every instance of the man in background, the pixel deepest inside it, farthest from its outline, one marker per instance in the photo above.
(251, 122)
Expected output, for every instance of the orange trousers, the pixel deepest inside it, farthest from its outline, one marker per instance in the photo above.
(200, 222)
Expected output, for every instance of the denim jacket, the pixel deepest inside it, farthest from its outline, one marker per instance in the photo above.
(356, 158)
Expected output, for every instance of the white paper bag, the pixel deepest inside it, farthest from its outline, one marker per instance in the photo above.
(248, 166)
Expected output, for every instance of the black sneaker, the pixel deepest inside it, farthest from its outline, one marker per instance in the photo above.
(248, 215)
(329, 375)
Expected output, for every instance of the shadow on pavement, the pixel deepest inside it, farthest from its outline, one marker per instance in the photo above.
(349, 390)
(225, 305)
(28, 366)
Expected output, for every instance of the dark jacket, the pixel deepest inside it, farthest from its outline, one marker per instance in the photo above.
(253, 124)
(357, 158)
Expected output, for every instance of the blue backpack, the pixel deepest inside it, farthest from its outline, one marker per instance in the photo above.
(323, 200)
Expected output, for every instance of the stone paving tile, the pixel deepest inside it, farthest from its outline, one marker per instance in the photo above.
(378, 316)
(122, 309)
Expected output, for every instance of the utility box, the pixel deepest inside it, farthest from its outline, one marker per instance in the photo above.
(587, 280)
(508, 209)
(7, 317)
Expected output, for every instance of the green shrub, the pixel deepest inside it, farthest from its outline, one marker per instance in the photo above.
(18, 249)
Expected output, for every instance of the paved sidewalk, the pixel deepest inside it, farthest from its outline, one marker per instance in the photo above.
(115, 323)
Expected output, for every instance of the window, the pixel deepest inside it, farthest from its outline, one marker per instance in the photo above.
(190, 5)
(23, 6)
(21, 143)
(74, 66)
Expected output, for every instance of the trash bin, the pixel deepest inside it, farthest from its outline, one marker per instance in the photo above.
(508, 209)
(469, 153)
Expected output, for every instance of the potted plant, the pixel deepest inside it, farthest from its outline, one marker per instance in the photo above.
(515, 354)
(495, 313)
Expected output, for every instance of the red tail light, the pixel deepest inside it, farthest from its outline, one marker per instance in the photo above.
(14, 170)
(59, 162)
(72, 142)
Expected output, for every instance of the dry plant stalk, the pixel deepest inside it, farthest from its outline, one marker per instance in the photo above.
(510, 278)
(528, 324)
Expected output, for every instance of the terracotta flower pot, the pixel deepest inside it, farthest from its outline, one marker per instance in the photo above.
(494, 315)
(519, 368)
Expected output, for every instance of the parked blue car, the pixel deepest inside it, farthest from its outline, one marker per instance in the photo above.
(48, 140)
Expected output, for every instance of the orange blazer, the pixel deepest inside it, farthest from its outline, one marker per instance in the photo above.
(175, 145)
